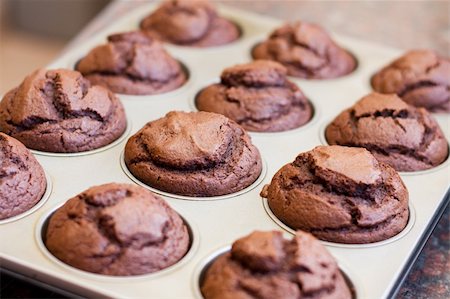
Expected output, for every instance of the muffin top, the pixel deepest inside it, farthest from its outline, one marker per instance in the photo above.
(196, 154)
(22, 179)
(59, 111)
(190, 23)
(132, 63)
(420, 77)
(117, 229)
(186, 140)
(407, 138)
(258, 96)
(307, 51)
(339, 194)
(266, 265)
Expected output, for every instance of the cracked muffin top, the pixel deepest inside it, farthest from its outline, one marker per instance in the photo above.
(22, 179)
(132, 63)
(190, 23)
(264, 265)
(194, 154)
(339, 194)
(117, 229)
(258, 96)
(307, 51)
(59, 111)
(420, 77)
(405, 137)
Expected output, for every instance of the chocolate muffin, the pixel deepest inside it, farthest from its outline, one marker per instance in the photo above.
(117, 229)
(59, 111)
(258, 96)
(339, 194)
(192, 23)
(420, 77)
(405, 137)
(193, 154)
(307, 51)
(22, 179)
(264, 265)
(132, 63)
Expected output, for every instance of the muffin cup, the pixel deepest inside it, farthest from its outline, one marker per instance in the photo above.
(37, 206)
(324, 141)
(261, 177)
(41, 229)
(315, 114)
(404, 232)
(202, 267)
(91, 152)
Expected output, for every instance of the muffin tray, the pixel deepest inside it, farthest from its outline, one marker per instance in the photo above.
(375, 270)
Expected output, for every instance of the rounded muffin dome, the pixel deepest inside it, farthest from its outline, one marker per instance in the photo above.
(405, 137)
(420, 77)
(264, 265)
(59, 111)
(22, 179)
(117, 229)
(258, 96)
(132, 63)
(190, 23)
(307, 51)
(194, 154)
(339, 194)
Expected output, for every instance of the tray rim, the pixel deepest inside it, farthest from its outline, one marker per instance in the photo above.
(440, 208)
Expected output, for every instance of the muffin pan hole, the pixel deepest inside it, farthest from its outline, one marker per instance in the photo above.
(37, 206)
(324, 141)
(193, 100)
(322, 129)
(91, 152)
(41, 229)
(176, 196)
(404, 232)
(200, 273)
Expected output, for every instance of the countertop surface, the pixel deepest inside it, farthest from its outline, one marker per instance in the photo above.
(401, 24)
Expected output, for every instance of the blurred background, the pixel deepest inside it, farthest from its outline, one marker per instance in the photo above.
(33, 32)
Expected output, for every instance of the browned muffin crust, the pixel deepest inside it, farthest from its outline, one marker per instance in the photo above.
(307, 51)
(194, 154)
(132, 63)
(117, 229)
(420, 77)
(339, 194)
(264, 265)
(22, 179)
(190, 23)
(258, 96)
(59, 111)
(405, 137)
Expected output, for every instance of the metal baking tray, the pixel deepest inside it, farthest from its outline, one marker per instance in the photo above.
(375, 270)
